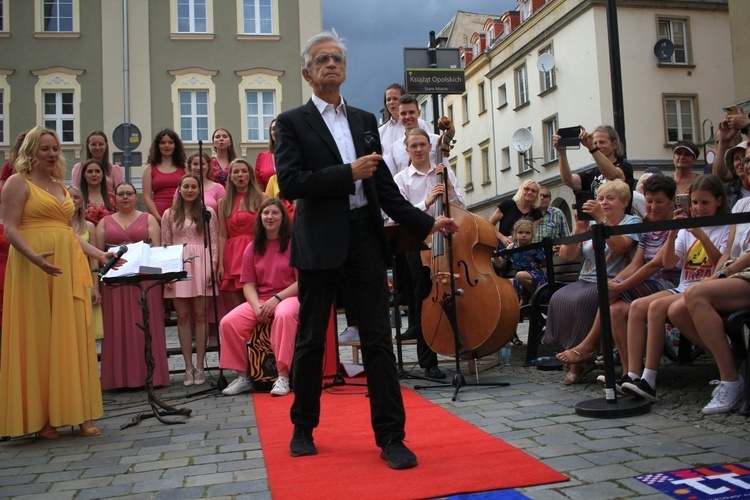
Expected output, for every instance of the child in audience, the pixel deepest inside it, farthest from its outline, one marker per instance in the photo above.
(529, 264)
(696, 251)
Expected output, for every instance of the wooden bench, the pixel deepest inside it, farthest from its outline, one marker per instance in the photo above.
(356, 346)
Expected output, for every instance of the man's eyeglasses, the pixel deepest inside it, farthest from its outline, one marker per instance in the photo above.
(323, 58)
(545, 195)
(125, 194)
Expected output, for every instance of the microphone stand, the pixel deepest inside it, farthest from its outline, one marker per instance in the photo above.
(221, 383)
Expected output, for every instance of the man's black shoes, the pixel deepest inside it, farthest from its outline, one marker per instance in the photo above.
(302, 442)
(398, 456)
(410, 333)
(434, 373)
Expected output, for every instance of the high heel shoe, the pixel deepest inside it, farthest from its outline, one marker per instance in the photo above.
(198, 377)
(90, 430)
(189, 380)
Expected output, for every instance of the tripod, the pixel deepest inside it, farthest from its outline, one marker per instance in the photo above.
(221, 382)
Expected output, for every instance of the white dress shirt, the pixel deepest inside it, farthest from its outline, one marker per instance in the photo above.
(397, 158)
(338, 125)
(393, 129)
(416, 187)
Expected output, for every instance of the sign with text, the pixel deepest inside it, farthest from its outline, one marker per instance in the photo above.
(435, 81)
(714, 482)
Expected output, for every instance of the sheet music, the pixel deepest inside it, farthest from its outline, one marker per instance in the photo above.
(141, 258)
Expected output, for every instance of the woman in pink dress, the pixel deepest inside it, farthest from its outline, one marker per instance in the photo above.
(166, 165)
(212, 191)
(237, 212)
(264, 164)
(98, 202)
(183, 224)
(97, 147)
(270, 289)
(224, 155)
(122, 362)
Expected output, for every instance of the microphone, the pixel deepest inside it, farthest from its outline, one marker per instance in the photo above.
(109, 265)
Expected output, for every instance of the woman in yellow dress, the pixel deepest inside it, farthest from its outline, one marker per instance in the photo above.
(49, 374)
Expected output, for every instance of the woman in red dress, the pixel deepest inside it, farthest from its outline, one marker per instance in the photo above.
(166, 166)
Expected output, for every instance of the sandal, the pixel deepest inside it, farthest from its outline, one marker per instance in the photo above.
(198, 377)
(574, 377)
(189, 380)
(573, 356)
(48, 433)
(90, 430)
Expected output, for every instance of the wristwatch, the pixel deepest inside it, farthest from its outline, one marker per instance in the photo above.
(594, 150)
(721, 274)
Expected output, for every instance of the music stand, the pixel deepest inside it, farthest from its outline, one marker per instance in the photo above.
(144, 283)
(401, 241)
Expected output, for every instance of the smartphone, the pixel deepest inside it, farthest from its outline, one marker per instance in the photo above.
(581, 198)
(570, 137)
(683, 203)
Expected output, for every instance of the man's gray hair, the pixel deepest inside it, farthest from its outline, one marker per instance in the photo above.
(325, 36)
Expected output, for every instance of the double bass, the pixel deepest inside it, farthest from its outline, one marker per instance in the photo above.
(470, 312)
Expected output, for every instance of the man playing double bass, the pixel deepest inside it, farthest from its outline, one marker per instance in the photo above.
(418, 184)
(327, 158)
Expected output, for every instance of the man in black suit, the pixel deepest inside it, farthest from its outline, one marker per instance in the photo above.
(328, 159)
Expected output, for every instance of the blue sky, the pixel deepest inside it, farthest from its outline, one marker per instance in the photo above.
(377, 32)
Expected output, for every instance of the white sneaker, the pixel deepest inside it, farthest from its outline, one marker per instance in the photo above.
(724, 398)
(280, 387)
(238, 386)
(350, 334)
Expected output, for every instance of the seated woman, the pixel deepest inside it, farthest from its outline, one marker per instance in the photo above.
(706, 301)
(643, 276)
(696, 251)
(572, 309)
(269, 284)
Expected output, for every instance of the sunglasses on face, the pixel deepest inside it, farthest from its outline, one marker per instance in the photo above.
(546, 195)
(323, 58)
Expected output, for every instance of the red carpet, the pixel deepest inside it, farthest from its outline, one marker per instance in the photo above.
(454, 456)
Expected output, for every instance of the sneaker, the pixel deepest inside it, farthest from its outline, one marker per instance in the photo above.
(724, 398)
(280, 387)
(238, 386)
(602, 381)
(640, 389)
(350, 334)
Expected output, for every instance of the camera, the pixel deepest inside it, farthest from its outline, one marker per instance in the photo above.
(569, 137)
(581, 198)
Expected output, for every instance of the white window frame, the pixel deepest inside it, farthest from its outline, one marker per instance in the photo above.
(40, 32)
(194, 132)
(505, 159)
(254, 81)
(502, 96)
(262, 118)
(525, 9)
(57, 120)
(482, 98)
(243, 35)
(469, 186)
(547, 80)
(56, 80)
(175, 34)
(465, 107)
(194, 15)
(682, 54)
(193, 80)
(3, 135)
(521, 78)
(678, 129)
(484, 154)
(549, 128)
(4, 19)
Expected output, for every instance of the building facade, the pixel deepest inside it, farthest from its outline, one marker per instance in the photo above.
(512, 84)
(192, 66)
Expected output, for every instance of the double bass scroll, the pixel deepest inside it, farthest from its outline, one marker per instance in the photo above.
(466, 293)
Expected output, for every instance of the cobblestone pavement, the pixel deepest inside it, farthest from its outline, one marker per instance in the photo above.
(217, 452)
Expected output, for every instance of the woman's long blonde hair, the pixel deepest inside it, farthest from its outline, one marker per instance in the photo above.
(26, 160)
(253, 198)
